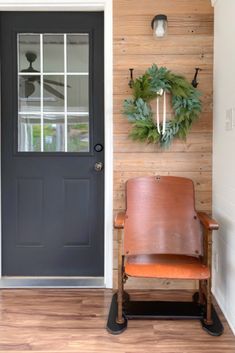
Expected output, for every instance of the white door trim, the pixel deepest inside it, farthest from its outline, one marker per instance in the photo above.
(89, 5)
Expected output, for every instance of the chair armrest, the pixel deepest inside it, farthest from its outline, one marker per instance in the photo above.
(207, 222)
(119, 221)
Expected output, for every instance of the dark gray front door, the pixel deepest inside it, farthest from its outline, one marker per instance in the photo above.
(52, 137)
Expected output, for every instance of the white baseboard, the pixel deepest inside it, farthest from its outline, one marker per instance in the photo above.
(220, 301)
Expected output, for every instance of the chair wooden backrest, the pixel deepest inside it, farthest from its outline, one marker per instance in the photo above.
(161, 217)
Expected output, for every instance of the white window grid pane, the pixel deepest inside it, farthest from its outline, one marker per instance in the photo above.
(41, 73)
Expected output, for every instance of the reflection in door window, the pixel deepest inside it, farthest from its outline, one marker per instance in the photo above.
(29, 133)
(78, 133)
(53, 131)
(53, 92)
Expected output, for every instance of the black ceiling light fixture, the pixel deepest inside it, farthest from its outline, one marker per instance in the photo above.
(159, 26)
(30, 81)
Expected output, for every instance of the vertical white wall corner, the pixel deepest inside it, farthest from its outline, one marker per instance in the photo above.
(108, 66)
(223, 158)
(88, 5)
(213, 2)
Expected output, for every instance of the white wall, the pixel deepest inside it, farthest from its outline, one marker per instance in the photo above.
(224, 159)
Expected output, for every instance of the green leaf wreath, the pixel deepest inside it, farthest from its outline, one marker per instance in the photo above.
(186, 105)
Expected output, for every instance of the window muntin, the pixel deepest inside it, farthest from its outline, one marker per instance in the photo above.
(53, 92)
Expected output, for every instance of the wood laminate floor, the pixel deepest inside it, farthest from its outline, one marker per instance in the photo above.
(72, 320)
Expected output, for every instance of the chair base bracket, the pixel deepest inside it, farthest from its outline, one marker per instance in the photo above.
(164, 310)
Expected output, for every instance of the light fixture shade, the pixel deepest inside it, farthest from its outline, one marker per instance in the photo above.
(159, 26)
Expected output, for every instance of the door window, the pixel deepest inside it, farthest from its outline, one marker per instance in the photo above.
(53, 92)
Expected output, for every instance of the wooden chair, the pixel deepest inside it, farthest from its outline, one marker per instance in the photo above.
(162, 236)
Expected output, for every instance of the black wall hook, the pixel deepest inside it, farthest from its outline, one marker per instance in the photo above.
(130, 84)
(194, 81)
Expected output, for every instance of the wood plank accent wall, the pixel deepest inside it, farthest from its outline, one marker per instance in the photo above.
(189, 44)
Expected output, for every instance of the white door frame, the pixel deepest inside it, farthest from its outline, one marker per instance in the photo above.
(88, 5)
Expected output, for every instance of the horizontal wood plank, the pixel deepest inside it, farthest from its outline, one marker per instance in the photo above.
(180, 64)
(172, 45)
(153, 283)
(186, 24)
(202, 180)
(195, 142)
(163, 161)
(149, 7)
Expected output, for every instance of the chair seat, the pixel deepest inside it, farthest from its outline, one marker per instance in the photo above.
(166, 266)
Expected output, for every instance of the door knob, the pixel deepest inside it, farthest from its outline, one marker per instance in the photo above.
(98, 166)
(98, 147)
